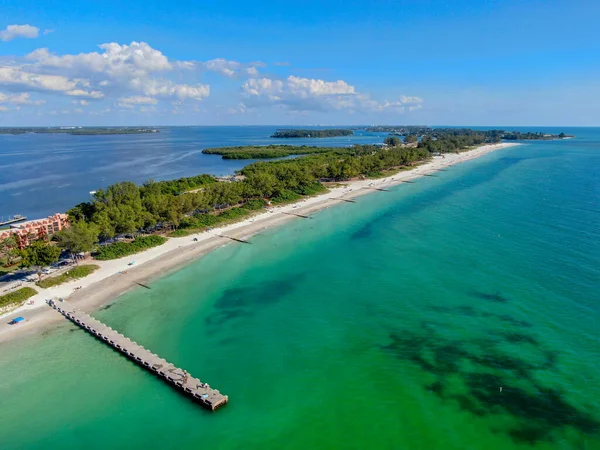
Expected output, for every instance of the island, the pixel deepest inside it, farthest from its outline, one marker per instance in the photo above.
(78, 131)
(269, 151)
(399, 130)
(312, 133)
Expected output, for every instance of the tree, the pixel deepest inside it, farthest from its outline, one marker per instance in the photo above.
(410, 139)
(8, 250)
(80, 237)
(39, 254)
(392, 141)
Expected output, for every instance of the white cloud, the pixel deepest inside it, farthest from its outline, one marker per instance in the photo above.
(405, 102)
(139, 100)
(87, 94)
(122, 70)
(19, 31)
(80, 102)
(251, 71)
(15, 76)
(131, 102)
(225, 67)
(309, 94)
(222, 66)
(136, 59)
(19, 99)
(166, 88)
(241, 108)
(3, 108)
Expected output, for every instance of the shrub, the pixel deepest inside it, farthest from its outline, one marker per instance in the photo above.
(286, 196)
(17, 297)
(121, 249)
(254, 205)
(72, 274)
(179, 233)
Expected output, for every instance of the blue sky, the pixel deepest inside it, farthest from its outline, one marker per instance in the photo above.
(486, 62)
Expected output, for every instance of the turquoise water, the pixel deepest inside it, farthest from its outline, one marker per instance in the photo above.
(391, 323)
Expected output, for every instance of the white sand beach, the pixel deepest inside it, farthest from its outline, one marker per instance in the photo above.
(116, 277)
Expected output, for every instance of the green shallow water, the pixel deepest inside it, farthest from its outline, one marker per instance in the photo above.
(390, 323)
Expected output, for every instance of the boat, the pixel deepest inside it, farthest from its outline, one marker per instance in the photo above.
(13, 219)
(16, 320)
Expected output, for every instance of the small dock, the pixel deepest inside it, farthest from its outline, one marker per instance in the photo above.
(234, 239)
(297, 215)
(176, 377)
(376, 189)
(342, 199)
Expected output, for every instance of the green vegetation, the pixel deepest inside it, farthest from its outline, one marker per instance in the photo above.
(490, 135)
(72, 274)
(16, 298)
(411, 139)
(180, 185)
(5, 270)
(392, 141)
(127, 208)
(516, 135)
(80, 237)
(269, 151)
(121, 249)
(78, 131)
(312, 133)
(401, 130)
(199, 222)
(39, 254)
(9, 251)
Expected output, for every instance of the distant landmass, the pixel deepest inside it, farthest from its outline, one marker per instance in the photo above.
(401, 130)
(77, 130)
(312, 133)
(269, 151)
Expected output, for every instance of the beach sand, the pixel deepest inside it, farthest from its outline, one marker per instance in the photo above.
(116, 277)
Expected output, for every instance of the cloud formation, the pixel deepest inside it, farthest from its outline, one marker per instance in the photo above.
(19, 99)
(309, 94)
(137, 77)
(115, 71)
(19, 31)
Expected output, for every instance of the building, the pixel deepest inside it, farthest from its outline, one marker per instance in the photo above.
(32, 230)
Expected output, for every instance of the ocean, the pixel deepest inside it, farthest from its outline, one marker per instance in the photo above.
(458, 312)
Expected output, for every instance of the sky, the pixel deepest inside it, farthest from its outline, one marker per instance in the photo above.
(327, 62)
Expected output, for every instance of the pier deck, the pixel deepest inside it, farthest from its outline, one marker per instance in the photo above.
(178, 378)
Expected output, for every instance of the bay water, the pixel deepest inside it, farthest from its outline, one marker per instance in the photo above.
(458, 312)
(42, 174)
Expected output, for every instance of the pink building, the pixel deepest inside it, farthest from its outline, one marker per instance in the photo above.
(32, 230)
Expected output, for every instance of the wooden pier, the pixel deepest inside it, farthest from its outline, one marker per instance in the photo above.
(376, 189)
(176, 377)
(342, 199)
(297, 215)
(234, 239)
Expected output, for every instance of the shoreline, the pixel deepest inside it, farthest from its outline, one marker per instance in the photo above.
(115, 277)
